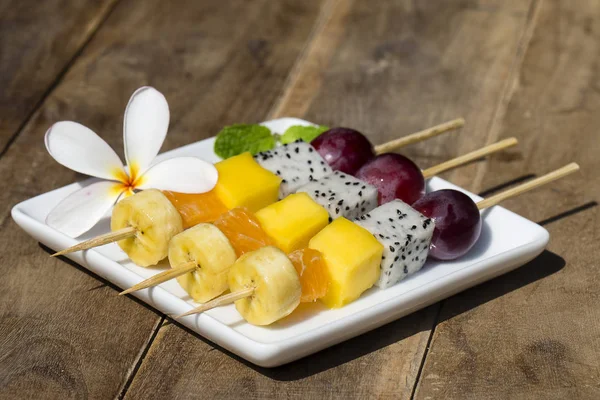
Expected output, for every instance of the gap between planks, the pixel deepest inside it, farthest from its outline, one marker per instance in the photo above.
(90, 33)
(436, 318)
(494, 131)
(495, 126)
(141, 356)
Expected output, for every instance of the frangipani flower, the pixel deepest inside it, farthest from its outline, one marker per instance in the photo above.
(80, 149)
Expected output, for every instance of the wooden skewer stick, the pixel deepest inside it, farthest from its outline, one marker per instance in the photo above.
(542, 180)
(220, 301)
(110, 237)
(472, 156)
(162, 277)
(419, 136)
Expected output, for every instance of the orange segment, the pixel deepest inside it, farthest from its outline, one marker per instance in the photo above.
(243, 230)
(312, 271)
(197, 208)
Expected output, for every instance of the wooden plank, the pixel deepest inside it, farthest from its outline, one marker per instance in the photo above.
(182, 364)
(37, 42)
(421, 63)
(64, 332)
(387, 68)
(534, 333)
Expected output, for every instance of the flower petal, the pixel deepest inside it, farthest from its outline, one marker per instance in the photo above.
(181, 174)
(145, 127)
(81, 210)
(79, 148)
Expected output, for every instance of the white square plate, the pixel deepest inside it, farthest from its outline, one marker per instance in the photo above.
(507, 241)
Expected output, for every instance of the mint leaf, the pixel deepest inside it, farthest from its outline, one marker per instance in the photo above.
(306, 133)
(239, 138)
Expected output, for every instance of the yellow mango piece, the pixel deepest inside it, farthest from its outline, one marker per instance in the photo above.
(244, 183)
(352, 256)
(293, 221)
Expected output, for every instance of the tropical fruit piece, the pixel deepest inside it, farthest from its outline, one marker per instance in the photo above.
(207, 247)
(277, 289)
(405, 234)
(243, 230)
(293, 221)
(244, 183)
(352, 256)
(312, 271)
(197, 207)
(296, 163)
(155, 220)
(342, 195)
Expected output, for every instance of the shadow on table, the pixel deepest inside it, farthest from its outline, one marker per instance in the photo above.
(568, 213)
(506, 185)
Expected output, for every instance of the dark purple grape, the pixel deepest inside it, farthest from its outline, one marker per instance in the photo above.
(344, 149)
(395, 177)
(457, 222)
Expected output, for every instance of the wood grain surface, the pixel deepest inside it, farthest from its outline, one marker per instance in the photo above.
(65, 333)
(38, 40)
(511, 68)
(535, 333)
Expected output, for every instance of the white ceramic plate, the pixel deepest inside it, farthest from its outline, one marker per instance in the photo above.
(507, 242)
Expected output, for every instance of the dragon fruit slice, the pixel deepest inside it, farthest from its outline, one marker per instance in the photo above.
(405, 234)
(296, 163)
(342, 195)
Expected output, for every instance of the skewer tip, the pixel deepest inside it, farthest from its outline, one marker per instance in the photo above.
(186, 314)
(573, 166)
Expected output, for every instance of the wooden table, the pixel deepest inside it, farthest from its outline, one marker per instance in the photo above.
(524, 68)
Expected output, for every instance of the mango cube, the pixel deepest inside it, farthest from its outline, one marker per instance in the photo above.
(293, 221)
(244, 183)
(352, 256)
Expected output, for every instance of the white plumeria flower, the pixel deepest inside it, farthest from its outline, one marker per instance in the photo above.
(80, 149)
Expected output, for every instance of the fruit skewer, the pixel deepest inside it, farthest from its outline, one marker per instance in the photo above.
(348, 196)
(286, 214)
(338, 149)
(348, 268)
(242, 182)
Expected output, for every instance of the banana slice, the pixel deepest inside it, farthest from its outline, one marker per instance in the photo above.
(156, 221)
(210, 249)
(276, 285)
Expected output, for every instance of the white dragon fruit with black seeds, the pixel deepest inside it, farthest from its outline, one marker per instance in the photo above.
(296, 163)
(342, 195)
(405, 234)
